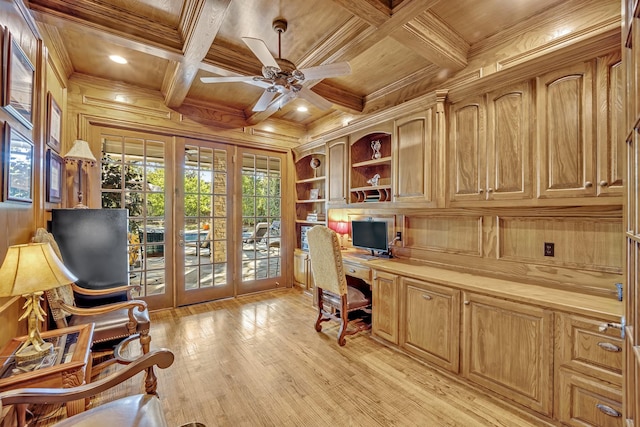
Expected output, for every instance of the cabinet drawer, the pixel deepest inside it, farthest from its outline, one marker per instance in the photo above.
(584, 401)
(358, 271)
(585, 349)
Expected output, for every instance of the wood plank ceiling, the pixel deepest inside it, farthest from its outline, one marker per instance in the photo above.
(397, 49)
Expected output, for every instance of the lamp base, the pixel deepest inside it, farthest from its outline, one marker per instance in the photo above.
(29, 352)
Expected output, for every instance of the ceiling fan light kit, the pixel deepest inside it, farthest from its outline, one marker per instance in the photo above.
(280, 76)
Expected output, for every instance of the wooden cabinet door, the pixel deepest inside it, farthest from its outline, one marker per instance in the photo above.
(611, 125)
(467, 165)
(508, 348)
(384, 316)
(413, 157)
(431, 322)
(566, 127)
(509, 168)
(300, 268)
(337, 169)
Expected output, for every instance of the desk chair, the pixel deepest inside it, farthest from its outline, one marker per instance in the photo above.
(335, 298)
(143, 410)
(113, 322)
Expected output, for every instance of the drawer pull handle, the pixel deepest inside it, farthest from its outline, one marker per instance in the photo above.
(609, 347)
(427, 297)
(351, 270)
(608, 410)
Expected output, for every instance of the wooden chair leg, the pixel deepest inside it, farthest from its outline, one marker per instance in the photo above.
(344, 320)
(320, 309)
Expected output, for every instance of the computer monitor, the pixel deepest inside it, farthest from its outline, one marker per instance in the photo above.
(371, 235)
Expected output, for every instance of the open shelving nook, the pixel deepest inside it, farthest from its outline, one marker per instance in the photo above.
(310, 194)
(370, 179)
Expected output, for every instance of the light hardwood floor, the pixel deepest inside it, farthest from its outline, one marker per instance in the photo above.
(257, 361)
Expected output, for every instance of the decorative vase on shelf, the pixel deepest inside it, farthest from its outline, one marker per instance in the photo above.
(315, 164)
(375, 146)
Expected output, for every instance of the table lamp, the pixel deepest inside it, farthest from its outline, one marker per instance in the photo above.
(341, 228)
(29, 270)
(80, 153)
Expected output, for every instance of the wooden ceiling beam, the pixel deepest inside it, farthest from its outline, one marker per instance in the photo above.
(200, 28)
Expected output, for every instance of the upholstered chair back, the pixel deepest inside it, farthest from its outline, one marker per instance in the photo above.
(326, 260)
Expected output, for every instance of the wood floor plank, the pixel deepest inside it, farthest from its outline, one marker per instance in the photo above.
(258, 361)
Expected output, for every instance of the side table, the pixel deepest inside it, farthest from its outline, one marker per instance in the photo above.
(69, 365)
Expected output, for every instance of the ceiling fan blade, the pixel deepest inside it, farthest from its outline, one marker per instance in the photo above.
(326, 71)
(261, 51)
(264, 100)
(243, 79)
(314, 98)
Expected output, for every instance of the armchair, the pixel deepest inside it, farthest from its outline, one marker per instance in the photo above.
(113, 321)
(335, 298)
(143, 410)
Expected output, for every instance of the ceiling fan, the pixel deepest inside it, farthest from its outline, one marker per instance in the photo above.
(280, 76)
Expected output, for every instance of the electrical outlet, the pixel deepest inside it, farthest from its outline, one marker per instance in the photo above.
(548, 249)
(399, 235)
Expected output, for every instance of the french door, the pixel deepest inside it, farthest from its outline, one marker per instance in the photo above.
(204, 221)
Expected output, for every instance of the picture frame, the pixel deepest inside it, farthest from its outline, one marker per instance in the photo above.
(54, 124)
(17, 156)
(314, 193)
(18, 81)
(54, 172)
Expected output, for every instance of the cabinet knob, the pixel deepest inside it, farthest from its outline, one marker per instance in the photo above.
(603, 183)
(425, 296)
(466, 303)
(588, 184)
(480, 190)
(351, 270)
(609, 347)
(489, 190)
(608, 410)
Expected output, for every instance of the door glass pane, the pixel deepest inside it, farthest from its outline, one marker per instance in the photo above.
(205, 223)
(133, 177)
(261, 216)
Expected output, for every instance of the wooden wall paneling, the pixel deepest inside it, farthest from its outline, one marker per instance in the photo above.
(441, 165)
(467, 161)
(444, 233)
(413, 157)
(566, 128)
(611, 129)
(509, 135)
(585, 243)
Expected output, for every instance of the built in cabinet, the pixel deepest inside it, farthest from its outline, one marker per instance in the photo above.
(337, 171)
(384, 301)
(310, 193)
(414, 157)
(302, 275)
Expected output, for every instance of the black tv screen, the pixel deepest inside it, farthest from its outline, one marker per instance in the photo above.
(371, 235)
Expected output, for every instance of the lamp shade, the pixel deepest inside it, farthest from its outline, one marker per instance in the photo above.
(341, 227)
(80, 151)
(32, 268)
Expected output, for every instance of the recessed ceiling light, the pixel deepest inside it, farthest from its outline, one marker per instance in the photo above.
(118, 59)
(302, 108)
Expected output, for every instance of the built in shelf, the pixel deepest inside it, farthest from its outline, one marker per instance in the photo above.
(307, 180)
(304, 221)
(380, 193)
(372, 162)
(311, 201)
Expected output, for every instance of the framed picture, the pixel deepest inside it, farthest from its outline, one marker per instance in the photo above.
(314, 193)
(17, 155)
(17, 81)
(54, 124)
(54, 177)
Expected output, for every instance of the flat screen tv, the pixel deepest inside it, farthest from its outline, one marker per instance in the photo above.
(370, 235)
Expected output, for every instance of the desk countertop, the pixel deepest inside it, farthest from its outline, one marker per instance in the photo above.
(607, 308)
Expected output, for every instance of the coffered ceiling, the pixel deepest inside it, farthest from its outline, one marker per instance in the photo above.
(170, 44)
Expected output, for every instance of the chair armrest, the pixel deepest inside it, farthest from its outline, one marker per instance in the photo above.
(106, 308)
(163, 358)
(107, 291)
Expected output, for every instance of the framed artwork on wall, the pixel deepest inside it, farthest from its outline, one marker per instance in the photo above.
(54, 177)
(17, 83)
(54, 124)
(17, 155)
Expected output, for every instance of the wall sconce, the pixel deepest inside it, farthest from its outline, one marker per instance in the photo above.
(81, 154)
